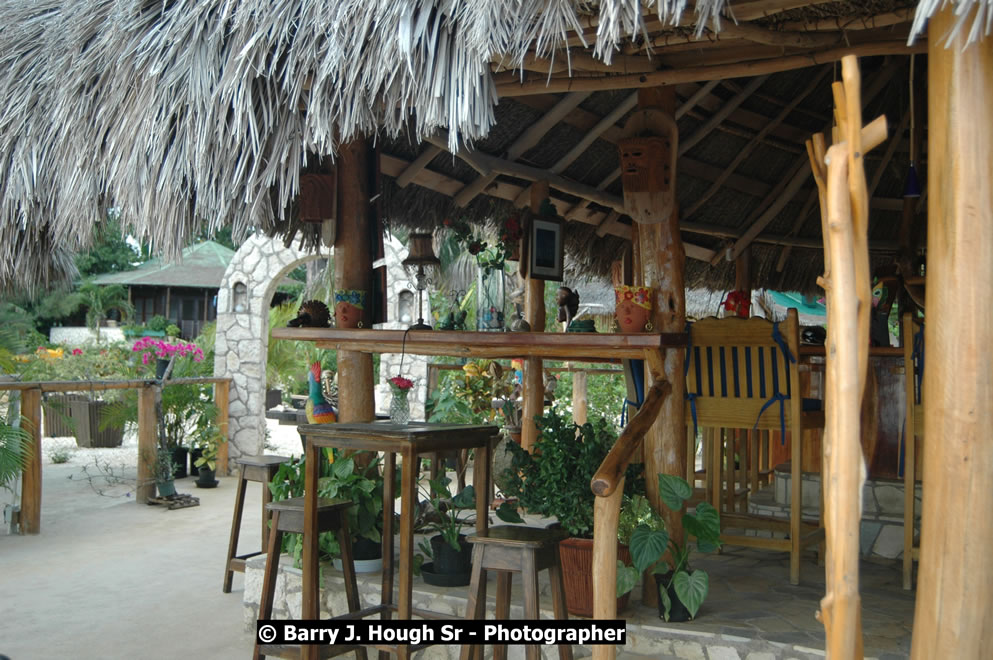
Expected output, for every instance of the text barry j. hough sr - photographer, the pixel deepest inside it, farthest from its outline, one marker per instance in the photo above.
(442, 632)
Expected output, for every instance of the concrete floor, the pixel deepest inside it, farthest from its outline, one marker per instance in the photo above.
(109, 578)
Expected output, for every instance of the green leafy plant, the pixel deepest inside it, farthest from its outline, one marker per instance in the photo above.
(648, 546)
(164, 466)
(61, 454)
(341, 479)
(445, 519)
(554, 479)
(208, 439)
(636, 512)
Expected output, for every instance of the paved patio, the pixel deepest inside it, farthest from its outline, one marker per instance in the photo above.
(108, 578)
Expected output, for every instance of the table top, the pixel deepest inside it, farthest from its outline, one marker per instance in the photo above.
(420, 437)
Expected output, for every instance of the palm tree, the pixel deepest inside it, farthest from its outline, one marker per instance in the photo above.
(15, 442)
(100, 300)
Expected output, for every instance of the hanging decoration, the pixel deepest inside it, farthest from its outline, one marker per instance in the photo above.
(648, 166)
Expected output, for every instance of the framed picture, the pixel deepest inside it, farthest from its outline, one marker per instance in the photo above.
(546, 253)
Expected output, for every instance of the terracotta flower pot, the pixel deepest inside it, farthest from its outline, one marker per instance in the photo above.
(576, 556)
(348, 308)
(633, 308)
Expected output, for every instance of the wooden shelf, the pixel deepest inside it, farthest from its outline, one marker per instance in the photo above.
(563, 346)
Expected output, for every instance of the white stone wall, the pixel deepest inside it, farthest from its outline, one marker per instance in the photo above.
(81, 335)
(414, 366)
(243, 335)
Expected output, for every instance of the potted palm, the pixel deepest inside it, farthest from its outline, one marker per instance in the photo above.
(554, 480)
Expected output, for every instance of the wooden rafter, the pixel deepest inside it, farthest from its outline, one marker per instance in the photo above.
(753, 143)
(421, 162)
(730, 106)
(525, 141)
(888, 154)
(740, 69)
(760, 219)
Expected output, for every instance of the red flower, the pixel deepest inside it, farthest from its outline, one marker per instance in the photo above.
(77, 351)
(401, 383)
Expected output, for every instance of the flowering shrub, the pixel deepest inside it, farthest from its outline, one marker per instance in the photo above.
(400, 383)
(151, 348)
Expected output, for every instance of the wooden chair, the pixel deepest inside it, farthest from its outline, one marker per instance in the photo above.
(742, 374)
(913, 360)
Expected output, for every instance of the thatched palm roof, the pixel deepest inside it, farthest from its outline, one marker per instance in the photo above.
(201, 113)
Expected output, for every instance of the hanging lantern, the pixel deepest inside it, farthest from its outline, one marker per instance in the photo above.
(912, 188)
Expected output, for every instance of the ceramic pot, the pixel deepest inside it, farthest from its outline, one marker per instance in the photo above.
(166, 488)
(349, 306)
(633, 308)
(449, 560)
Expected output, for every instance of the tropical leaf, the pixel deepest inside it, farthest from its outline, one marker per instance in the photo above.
(507, 512)
(692, 589)
(627, 577)
(465, 499)
(647, 546)
(674, 491)
(343, 468)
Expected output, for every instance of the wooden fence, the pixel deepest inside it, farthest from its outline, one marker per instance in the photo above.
(31, 391)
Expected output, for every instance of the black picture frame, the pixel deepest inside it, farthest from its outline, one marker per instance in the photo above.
(546, 253)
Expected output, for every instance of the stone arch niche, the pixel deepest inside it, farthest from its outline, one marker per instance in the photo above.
(242, 339)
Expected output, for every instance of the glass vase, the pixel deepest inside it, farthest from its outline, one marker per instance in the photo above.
(490, 300)
(399, 408)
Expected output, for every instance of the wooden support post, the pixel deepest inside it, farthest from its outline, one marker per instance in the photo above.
(31, 477)
(353, 270)
(606, 515)
(954, 614)
(661, 256)
(743, 438)
(579, 402)
(147, 444)
(222, 398)
(534, 312)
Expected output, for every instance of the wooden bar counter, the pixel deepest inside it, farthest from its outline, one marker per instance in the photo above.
(410, 441)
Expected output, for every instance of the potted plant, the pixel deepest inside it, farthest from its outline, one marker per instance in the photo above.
(364, 487)
(450, 552)
(681, 590)
(163, 471)
(554, 480)
(208, 442)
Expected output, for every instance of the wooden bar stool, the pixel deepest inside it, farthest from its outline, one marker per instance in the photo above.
(509, 549)
(250, 468)
(287, 517)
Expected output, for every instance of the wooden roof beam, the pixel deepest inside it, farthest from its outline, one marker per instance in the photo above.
(494, 166)
(712, 72)
(755, 141)
(524, 142)
(421, 162)
(730, 106)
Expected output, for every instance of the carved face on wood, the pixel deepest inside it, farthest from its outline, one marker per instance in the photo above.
(348, 306)
(633, 308)
(645, 164)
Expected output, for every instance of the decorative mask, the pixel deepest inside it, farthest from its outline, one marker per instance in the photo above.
(348, 307)
(633, 308)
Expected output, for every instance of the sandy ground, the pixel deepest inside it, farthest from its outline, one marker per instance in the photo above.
(109, 578)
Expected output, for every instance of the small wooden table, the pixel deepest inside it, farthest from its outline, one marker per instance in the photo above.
(410, 441)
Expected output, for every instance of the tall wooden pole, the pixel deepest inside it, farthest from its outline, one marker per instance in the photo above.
(746, 441)
(31, 477)
(954, 615)
(661, 258)
(580, 403)
(534, 312)
(148, 441)
(353, 270)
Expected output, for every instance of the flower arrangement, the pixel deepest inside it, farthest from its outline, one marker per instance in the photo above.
(488, 256)
(156, 348)
(401, 384)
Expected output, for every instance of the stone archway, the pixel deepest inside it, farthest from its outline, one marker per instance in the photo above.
(242, 338)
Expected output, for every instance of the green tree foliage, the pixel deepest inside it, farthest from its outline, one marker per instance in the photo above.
(110, 252)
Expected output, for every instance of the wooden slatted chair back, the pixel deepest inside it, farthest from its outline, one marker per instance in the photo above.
(739, 376)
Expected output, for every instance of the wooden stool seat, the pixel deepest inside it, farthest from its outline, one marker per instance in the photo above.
(260, 469)
(287, 517)
(510, 549)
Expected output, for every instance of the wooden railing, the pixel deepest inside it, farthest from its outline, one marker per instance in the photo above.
(31, 391)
